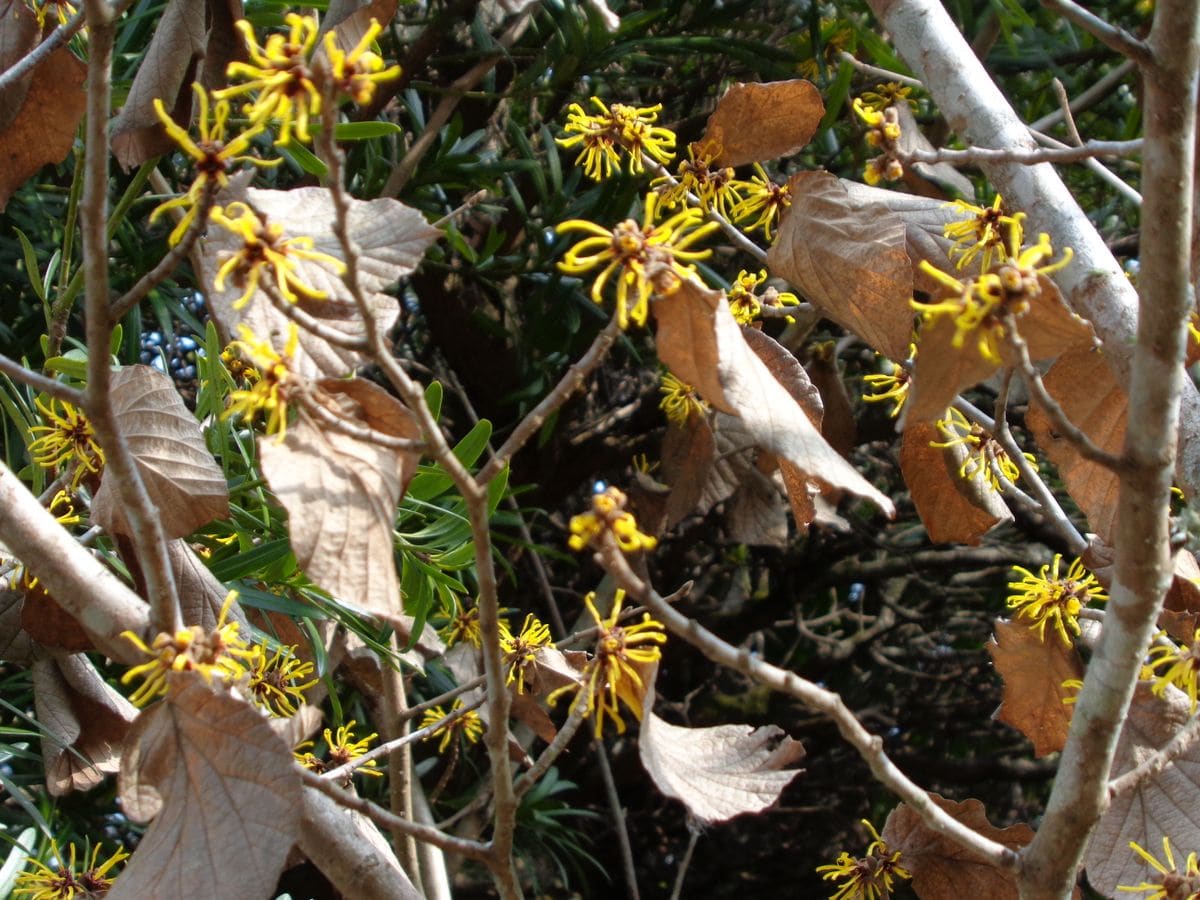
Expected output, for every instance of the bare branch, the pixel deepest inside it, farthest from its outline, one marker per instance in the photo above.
(58, 38)
(150, 541)
(1182, 741)
(885, 74)
(1115, 38)
(869, 746)
(1088, 98)
(51, 386)
(974, 156)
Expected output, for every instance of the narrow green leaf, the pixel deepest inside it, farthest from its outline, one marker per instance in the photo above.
(363, 131)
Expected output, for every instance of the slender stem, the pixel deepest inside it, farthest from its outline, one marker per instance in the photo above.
(1179, 744)
(686, 862)
(149, 538)
(876, 72)
(312, 324)
(628, 869)
(974, 156)
(50, 386)
(400, 774)
(1097, 92)
(1115, 38)
(869, 746)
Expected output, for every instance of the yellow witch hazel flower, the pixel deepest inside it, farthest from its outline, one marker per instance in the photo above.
(212, 155)
(747, 306)
(68, 439)
(60, 10)
(278, 682)
(629, 248)
(891, 93)
(984, 454)
(1049, 597)
(221, 655)
(762, 201)
(343, 747)
(608, 513)
(983, 235)
(268, 393)
(265, 248)
(978, 304)
(358, 73)
(680, 401)
(1181, 666)
(614, 675)
(883, 133)
(469, 725)
(872, 876)
(463, 627)
(713, 185)
(520, 651)
(281, 72)
(43, 882)
(1173, 884)
(892, 384)
(630, 128)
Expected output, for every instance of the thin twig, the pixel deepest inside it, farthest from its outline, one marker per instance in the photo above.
(1097, 167)
(174, 257)
(399, 765)
(385, 819)
(470, 203)
(146, 525)
(312, 406)
(571, 380)
(51, 386)
(869, 746)
(312, 324)
(57, 38)
(1086, 447)
(1179, 744)
(1110, 35)
(876, 72)
(628, 869)
(415, 710)
(731, 231)
(686, 862)
(475, 496)
(1064, 106)
(974, 156)
(1089, 97)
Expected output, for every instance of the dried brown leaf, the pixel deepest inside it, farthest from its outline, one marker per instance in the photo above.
(85, 723)
(170, 64)
(941, 176)
(837, 421)
(184, 482)
(1162, 804)
(850, 261)
(756, 514)
(341, 495)
(16, 646)
(947, 514)
(757, 122)
(391, 237)
(943, 869)
(1181, 610)
(19, 33)
(1034, 671)
(942, 370)
(49, 624)
(43, 130)
(1088, 393)
(747, 387)
(222, 788)
(201, 595)
(718, 772)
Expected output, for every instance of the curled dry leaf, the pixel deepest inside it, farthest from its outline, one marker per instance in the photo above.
(941, 868)
(946, 512)
(688, 455)
(222, 789)
(1034, 671)
(391, 238)
(849, 260)
(757, 122)
(1088, 393)
(1180, 615)
(185, 484)
(194, 41)
(699, 340)
(719, 772)
(1158, 806)
(42, 131)
(85, 722)
(341, 494)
